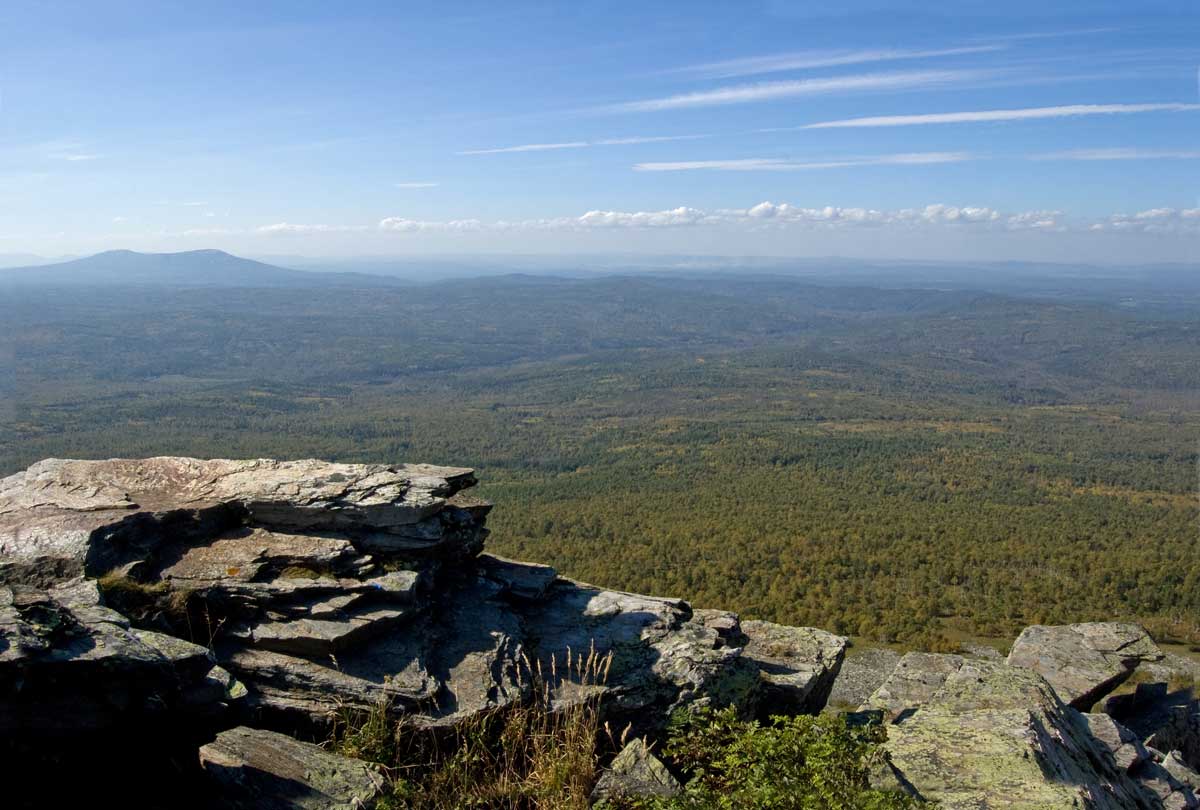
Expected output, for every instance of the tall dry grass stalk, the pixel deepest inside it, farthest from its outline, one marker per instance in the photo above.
(540, 753)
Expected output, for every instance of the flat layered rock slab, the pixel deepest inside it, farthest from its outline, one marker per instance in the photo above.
(263, 770)
(913, 682)
(1084, 662)
(797, 665)
(63, 508)
(323, 636)
(527, 581)
(247, 553)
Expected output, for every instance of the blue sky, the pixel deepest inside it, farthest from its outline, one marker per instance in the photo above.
(1048, 130)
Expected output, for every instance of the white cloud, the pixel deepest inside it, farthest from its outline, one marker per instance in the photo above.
(542, 147)
(403, 225)
(1026, 114)
(417, 185)
(1119, 153)
(806, 60)
(767, 91)
(527, 147)
(291, 229)
(762, 215)
(781, 165)
(1154, 221)
(77, 157)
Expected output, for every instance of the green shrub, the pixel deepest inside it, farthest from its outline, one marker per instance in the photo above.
(794, 763)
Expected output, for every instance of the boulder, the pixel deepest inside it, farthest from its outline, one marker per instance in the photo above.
(995, 736)
(917, 678)
(1084, 662)
(263, 770)
(635, 772)
(797, 665)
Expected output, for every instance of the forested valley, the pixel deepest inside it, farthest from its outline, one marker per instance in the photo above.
(902, 465)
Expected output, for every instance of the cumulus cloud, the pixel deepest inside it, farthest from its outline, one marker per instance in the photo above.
(763, 215)
(781, 165)
(403, 225)
(767, 91)
(1154, 221)
(292, 229)
(983, 116)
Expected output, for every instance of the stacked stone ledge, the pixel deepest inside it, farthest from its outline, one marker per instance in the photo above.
(275, 593)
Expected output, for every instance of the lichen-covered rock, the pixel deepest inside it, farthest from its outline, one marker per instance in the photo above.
(263, 770)
(797, 665)
(635, 772)
(915, 679)
(1084, 662)
(996, 736)
(862, 672)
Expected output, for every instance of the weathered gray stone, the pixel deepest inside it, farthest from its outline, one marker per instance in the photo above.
(862, 672)
(252, 768)
(1175, 765)
(105, 514)
(69, 664)
(996, 736)
(1126, 749)
(797, 665)
(917, 678)
(1084, 662)
(526, 581)
(635, 772)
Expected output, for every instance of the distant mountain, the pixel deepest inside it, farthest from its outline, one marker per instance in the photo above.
(26, 260)
(193, 268)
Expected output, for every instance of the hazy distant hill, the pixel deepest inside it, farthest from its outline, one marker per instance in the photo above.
(193, 268)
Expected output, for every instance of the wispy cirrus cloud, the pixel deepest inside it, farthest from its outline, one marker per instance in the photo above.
(807, 60)
(987, 116)
(527, 147)
(768, 91)
(781, 165)
(416, 185)
(1120, 153)
(546, 147)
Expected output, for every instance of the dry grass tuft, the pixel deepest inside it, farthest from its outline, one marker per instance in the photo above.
(541, 754)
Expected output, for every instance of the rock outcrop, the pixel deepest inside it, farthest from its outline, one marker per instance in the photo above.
(148, 607)
(263, 770)
(289, 590)
(1084, 662)
(995, 735)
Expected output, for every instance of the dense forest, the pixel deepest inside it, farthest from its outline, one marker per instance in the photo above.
(899, 464)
